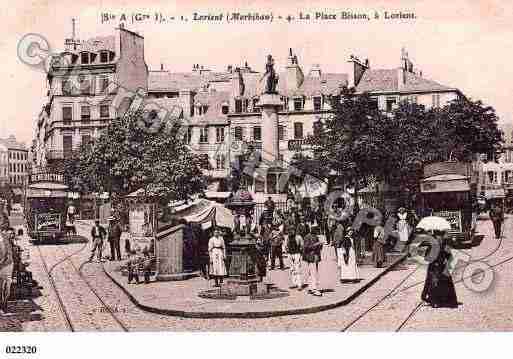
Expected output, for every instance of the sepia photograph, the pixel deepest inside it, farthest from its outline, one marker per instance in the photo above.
(255, 166)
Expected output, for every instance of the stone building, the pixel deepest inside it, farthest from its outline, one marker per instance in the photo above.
(82, 83)
(4, 165)
(18, 161)
(498, 175)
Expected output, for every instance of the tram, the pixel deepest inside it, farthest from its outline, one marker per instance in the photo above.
(45, 208)
(449, 190)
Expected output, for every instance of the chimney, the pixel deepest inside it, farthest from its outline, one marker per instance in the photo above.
(229, 69)
(186, 100)
(295, 76)
(356, 70)
(238, 87)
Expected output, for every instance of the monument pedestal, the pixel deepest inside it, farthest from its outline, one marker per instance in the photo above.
(270, 104)
(242, 278)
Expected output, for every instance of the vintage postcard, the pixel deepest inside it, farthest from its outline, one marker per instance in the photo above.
(251, 166)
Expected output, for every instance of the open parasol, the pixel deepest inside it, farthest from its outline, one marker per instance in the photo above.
(434, 223)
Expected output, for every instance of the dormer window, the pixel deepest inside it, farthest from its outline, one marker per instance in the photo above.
(84, 58)
(104, 56)
(111, 56)
(225, 109)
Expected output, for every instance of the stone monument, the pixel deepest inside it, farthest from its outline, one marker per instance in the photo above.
(270, 102)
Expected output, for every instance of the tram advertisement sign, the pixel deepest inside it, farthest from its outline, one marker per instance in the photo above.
(453, 217)
(48, 221)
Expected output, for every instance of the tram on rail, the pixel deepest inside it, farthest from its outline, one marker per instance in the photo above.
(449, 190)
(46, 206)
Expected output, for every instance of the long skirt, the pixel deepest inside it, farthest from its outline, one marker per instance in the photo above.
(378, 253)
(261, 262)
(349, 270)
(439, 290)
(217, 265)
(403, 229)
(296, 270)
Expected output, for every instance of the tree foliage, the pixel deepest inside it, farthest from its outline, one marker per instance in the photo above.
(136, 152)
(360, 142)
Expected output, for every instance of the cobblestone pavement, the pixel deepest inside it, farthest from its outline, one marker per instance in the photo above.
(488, 311)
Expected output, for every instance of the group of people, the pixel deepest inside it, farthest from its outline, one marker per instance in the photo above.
(115, 234)
(297, 232)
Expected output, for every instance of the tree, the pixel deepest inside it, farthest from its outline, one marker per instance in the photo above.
(364, 143)
(471, 127)
(139, 151)
(353, 141)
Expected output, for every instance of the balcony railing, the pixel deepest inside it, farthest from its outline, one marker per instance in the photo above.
(59, 154)
(296, 145)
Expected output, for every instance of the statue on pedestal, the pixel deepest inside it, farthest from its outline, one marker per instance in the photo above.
(270, 77)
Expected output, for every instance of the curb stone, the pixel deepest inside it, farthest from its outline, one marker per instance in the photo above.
(251, 315)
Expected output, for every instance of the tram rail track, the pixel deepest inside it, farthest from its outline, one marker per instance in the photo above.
(61, 303)
(97, 295)
(62, 307)
(390, 294)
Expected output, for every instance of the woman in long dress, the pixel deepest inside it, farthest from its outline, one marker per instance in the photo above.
(402, 226)
(346, 258)
(217, 253)
(439, 290)
(378, 249)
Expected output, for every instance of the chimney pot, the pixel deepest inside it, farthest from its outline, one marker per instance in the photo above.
(161, 67)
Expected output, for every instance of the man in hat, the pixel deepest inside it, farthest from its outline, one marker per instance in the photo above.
(312, 248)
(276, 247)
(497, 217)
(114, 239)
(98, 233)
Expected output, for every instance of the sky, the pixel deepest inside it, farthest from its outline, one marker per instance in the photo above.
(459, 43)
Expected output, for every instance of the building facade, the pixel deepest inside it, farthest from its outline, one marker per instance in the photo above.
(220, 110)
(82, 83)
(18, 165)
(4, 165)
(498, 175)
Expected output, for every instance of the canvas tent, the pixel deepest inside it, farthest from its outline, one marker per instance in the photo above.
(206, 213)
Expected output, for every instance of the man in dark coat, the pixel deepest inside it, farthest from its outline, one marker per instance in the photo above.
(98, 234)
(114, 239)
(277, 247)
(312, 256)
(497, 217)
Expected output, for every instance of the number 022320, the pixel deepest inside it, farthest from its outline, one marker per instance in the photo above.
(20, 349)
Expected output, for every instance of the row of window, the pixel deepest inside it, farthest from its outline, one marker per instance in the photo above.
(18, 167)
(85, 113)
(67, 142)
(90, 57)
(242, 105)
(390, 102)
(20, 156)
(82, 85)
(506, 177)
(17, 179)
(238, 133)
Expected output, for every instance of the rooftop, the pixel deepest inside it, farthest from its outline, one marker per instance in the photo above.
(12, 144)
(387, 80)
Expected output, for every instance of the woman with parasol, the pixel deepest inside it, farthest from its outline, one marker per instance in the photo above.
(439, 290)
